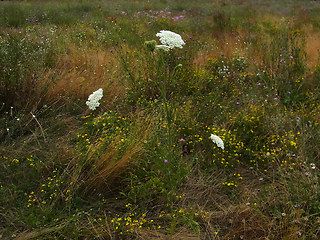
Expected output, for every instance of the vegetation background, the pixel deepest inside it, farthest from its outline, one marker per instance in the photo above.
(142, 165)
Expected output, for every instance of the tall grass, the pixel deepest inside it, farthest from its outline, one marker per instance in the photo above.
(21, 85)
(143, 165)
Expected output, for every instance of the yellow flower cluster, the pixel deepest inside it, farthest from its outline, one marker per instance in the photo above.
(103, 130)
(48, 191)
(130, 223)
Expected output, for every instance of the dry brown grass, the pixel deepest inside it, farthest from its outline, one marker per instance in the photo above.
(182, 234)
(38, 233)
(312, 48)
(227, 43)
(232, 220)
(199, 194)
(79, 73)
(245, 223)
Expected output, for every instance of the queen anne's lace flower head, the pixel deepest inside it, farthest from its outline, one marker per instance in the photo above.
(217, 140)
(170, 39)
(163, 47)
(94, 98)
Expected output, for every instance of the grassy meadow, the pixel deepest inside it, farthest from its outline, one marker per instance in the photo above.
(143, 165)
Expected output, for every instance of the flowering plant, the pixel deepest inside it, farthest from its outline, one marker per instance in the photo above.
(169, 40)
(163, 47)
(94, 98)
(217, 140)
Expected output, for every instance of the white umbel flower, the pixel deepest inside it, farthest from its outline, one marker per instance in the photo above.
(163, 47)
(170, 39)
(94, 98)
(217, 140)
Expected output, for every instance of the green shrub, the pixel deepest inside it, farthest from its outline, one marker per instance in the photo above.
(13, 14)
(21, 61)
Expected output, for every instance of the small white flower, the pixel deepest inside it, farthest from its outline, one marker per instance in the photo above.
(217, 140)
(94, 98)
(170, 39)
(313, 166)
